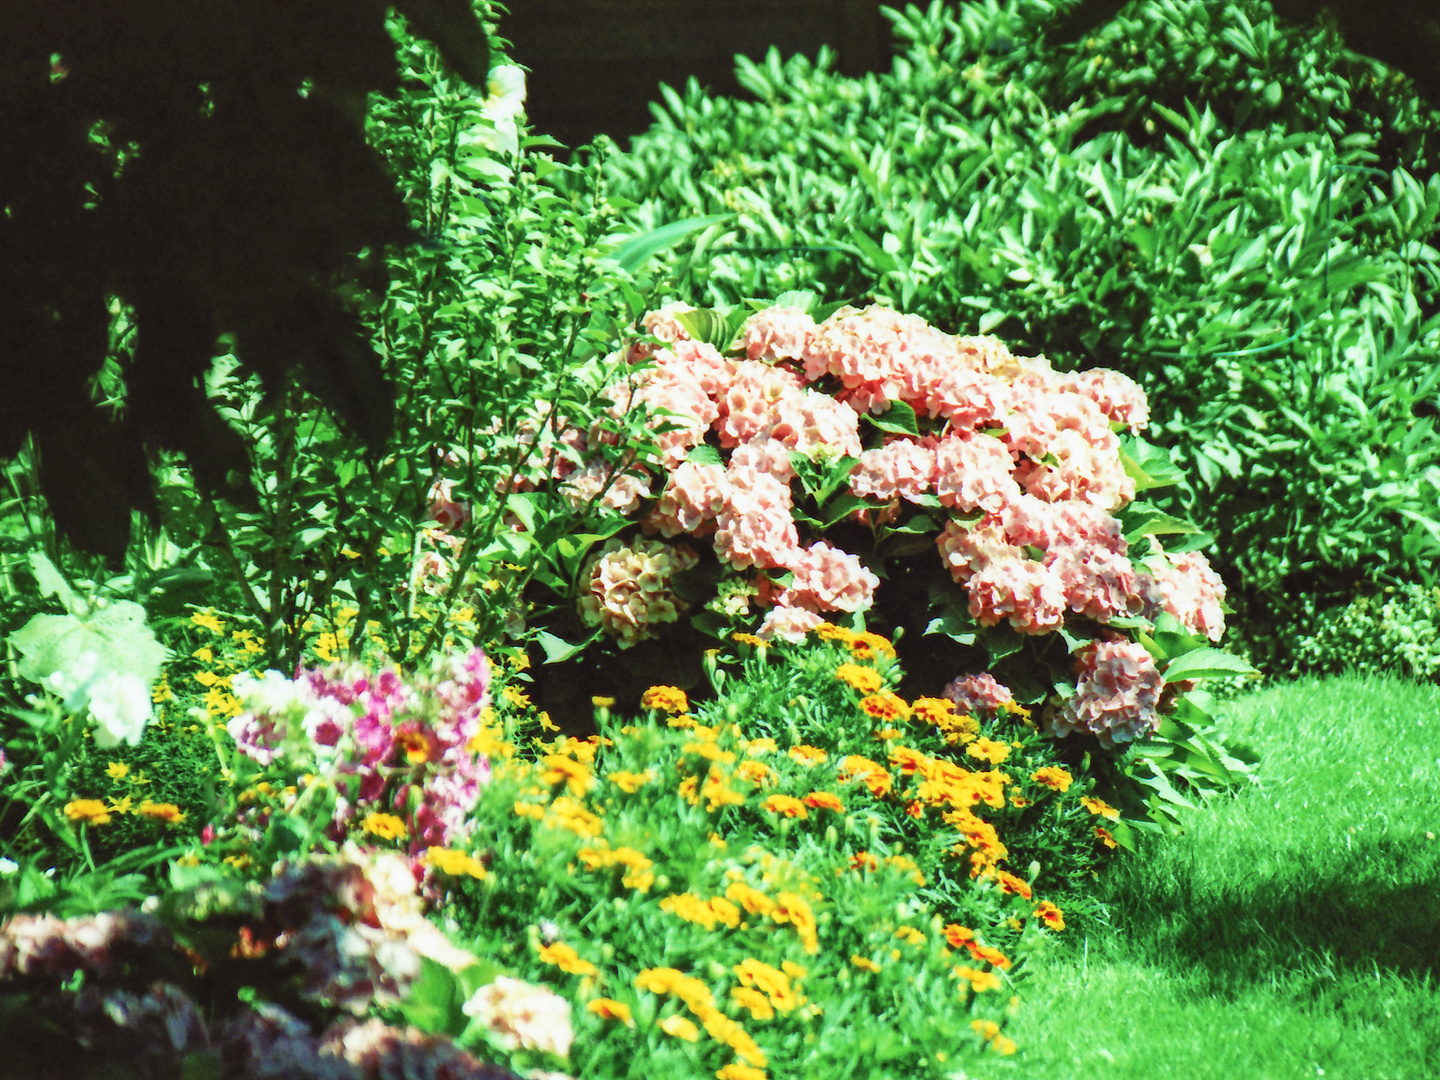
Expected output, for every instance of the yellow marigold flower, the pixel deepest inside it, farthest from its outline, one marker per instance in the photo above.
(866, 680)
(717, 792)
(691, 908)
(454, 863)
(629, 781)
(906, 866)
(773, 982)
(117, 770)
(690, 789)
(988, 750)
(756, 772)
(670, 699)
(601, 702)
(825, 800)
(1105, 836)
(792, 908)
(563, 770)
(530, 810)
(867, 646)
(736, 1071)
(1050, 915)
(958, 935)
(1052, 776)
(1003, 1044)
(885, 705)
(166, 812)
(726, 912)
(863, 861)
(864, 963)
(573, 817)
(989, 955)
(911, 935)
(87, 811)
(1013, 885)
(680, 1028)
(808, 755)
(566, 959)
(980, 981)
(385, 826)
(610, 1009)
(207, 621)
(932, 710)
(658, 980)
(709, 751)
(752, 900)
(787, 805)
(758, 1004)
(756, 747)
(1019, 801)
(1099, 806)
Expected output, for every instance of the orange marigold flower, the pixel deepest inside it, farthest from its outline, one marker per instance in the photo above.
(988, 954)
(980, 981)
(670, 699)
(1050, 915)
(866, 680)
(610, 1009)
(756, 772)
(787, 805)
(629, 781)
(689, 789)
(958, 935)
(824, 800)
(864, 861)
(566, 959)
(1020, 801)
(752, 900)
(756, 747)
(1105, 836)
(758, 1004)
(885, 705)
(983, 749)
(1053, 776)
(87, 811)
(932, 710)
(867, 646)
(808, 755)
(1013, 885)
(749, 639)
(167, 812)
(874, 776)
(1099, 806)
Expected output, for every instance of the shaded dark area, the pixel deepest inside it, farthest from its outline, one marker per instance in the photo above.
(1357, 917)
(595, 66)
(206, 168)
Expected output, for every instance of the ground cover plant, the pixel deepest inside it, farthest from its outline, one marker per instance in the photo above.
(1228, 208)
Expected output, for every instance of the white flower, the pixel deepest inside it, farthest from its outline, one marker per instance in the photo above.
(120, 706)
(520, 1014)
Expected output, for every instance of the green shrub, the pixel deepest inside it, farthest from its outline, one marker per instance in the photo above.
(1232, 210)
(1397, 630)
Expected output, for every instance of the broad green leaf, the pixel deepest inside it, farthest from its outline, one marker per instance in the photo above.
(1206, 664)
(557, 649)
(899, 418)
(634, 252)
(53, 583)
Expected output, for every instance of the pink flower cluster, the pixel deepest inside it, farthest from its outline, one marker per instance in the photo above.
(389, 735)
(1116, 697)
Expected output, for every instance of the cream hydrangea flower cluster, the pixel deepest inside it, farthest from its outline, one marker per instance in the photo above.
(630, 590)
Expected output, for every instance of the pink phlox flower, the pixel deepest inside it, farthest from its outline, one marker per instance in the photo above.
(694, 495)
(787, 624)
(828, 579)
(972, 472)
(1018, 590)
(754, 528)
(1116, 696)
(1119, 397)
(977, 693)
(778, 333)
(902, 468)
(747, 404)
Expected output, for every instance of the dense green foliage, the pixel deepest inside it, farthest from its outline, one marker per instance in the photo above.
(1232, 210)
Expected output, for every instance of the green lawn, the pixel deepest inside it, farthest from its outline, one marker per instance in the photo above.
(1291, 931)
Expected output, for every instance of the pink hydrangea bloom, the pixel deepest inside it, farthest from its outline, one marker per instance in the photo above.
(1119, 396)
(1021, 591)
(693, 496)
(968, 399)
(629, 592)
(870, 351)
(621, 493)
(698, 363)
(777, 333)
(828, 579)
(1099, 584)
(812, 423)
(1116, 696)
(1032, 522)
(444, 510)
(978, 693)
(972, 472)
(683, 406)
(787, 624)
(747, 404)
(755, 527)
(1081, 471)
(766, 455)
(965, 549)
(902, 468)
(1186, 587)
(661, 322)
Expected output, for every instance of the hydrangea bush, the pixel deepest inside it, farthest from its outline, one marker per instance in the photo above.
(799, 464)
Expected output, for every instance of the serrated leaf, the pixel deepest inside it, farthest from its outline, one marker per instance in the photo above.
(1206, 664)
(803, 299)
(53, 583)
(704, 455)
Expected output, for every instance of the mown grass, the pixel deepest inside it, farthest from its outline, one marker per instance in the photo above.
(1292, 931)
